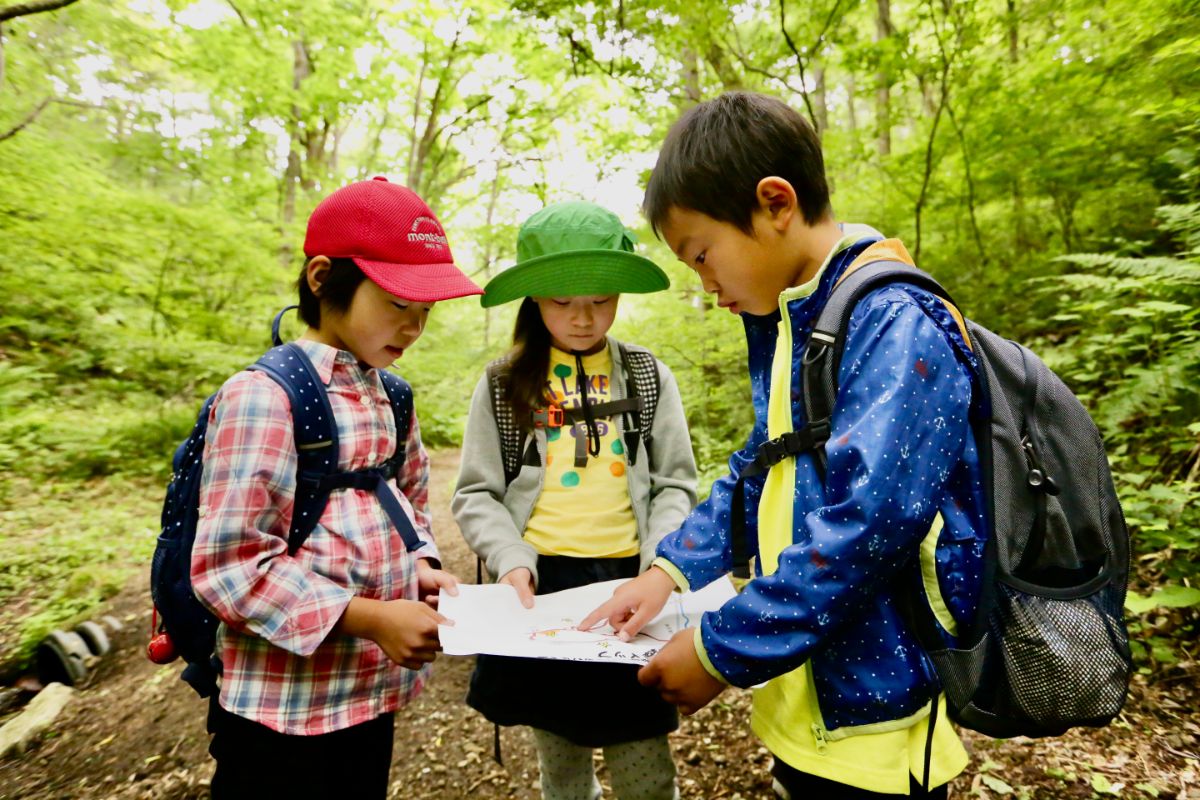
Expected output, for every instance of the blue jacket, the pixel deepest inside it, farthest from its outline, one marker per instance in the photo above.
(901, 452)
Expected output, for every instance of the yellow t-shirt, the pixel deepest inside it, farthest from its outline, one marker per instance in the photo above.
(785, 714)
(583, 511)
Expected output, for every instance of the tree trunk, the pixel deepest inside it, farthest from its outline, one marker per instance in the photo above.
(489, 254)
(1013, 31)
(423, 146)
(851, 111)
(883, 111)
(820, 103)
(301, 69)
(418, 99)
(730, 80)
(1020, 231)
(691, 76)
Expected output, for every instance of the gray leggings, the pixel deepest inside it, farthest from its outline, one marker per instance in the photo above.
(641, 770)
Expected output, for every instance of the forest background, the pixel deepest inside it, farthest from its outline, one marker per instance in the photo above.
(158, 159)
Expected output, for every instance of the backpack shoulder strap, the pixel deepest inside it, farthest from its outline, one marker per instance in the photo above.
(642, 382)
(881, 264)
(641, 368)
(314, 430)
(506, 419)
(400, 395)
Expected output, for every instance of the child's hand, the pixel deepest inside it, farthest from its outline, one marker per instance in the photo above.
(431, 580)
(407, 631)
(633, 604)
(679, 676)
(520, 579)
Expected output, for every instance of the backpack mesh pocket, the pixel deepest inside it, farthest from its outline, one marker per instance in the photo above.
(1063, 659)
(1042, 666)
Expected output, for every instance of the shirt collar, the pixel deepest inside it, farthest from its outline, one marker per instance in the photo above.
(324, 357)
(808, 287)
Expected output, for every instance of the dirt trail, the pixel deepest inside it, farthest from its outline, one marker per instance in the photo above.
(136, 731)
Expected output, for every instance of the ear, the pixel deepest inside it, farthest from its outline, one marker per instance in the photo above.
(317, 271)
(777, 200)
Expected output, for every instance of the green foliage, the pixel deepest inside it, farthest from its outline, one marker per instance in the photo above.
(1129, 343)
(79, 544)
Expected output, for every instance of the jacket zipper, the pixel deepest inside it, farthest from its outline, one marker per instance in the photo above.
(818, 725)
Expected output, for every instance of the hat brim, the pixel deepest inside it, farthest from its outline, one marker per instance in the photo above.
(420, 283)
(573, 273)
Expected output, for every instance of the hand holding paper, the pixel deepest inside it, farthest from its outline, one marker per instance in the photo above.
(680, 677)
(491, 619)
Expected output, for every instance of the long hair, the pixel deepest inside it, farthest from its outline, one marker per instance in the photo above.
(528, 364)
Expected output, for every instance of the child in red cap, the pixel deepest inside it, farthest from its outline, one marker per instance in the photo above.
(320, 646)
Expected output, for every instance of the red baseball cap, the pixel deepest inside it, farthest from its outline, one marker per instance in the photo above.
(393, 237)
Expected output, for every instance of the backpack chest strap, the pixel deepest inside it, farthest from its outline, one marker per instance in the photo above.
(809, 439)
(557, 417)
(609, 408)
(374, 480)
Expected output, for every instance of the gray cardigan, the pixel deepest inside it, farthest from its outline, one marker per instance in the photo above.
(492, 516)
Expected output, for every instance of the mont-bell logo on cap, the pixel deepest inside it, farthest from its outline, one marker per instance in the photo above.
(433, 239)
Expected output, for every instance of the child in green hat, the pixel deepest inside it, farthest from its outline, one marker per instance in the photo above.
(576, 462)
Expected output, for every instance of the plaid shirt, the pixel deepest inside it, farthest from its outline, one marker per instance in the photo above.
(281, 666)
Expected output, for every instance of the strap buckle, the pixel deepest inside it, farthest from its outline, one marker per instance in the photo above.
(550, 417)
(792, 443)
(772, 451)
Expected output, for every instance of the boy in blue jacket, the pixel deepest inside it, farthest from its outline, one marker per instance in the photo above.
(845, 699)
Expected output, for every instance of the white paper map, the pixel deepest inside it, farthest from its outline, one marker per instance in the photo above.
(490, 619)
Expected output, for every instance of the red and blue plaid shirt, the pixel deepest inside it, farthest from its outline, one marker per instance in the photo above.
(282, 667)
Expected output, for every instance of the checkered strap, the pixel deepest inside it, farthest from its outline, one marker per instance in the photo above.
(641, 370)
(506, 420)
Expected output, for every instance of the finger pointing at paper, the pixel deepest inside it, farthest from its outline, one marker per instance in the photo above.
(633, 604)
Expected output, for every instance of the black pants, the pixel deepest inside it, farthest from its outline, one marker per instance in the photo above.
(256, 762)
(802, 786)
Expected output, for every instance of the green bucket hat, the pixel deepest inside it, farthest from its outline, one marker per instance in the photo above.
(572, 249)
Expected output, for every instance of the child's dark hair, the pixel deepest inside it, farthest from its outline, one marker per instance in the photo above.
(716, 153)
(336, 292)
(528, 364)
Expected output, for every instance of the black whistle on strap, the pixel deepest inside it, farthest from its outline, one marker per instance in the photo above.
(631, 445)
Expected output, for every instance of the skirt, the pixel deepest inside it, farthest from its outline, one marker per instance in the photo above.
(589, 704)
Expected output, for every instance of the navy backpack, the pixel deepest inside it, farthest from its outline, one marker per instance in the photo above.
(184, 626)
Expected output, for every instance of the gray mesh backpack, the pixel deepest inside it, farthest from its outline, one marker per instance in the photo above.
(641, 374)
(1047, 649)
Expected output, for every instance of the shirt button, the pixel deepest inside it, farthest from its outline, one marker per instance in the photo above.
(365, 400)
(371, 456)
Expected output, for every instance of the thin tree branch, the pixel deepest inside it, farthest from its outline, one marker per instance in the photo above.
(239, 13)
(787, 37)
(25, 9)
(828, 23)
(947, 62)
(962, 146)
(626, 79)
(29, 118)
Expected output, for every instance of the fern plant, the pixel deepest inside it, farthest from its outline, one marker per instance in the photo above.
(1129, 344)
